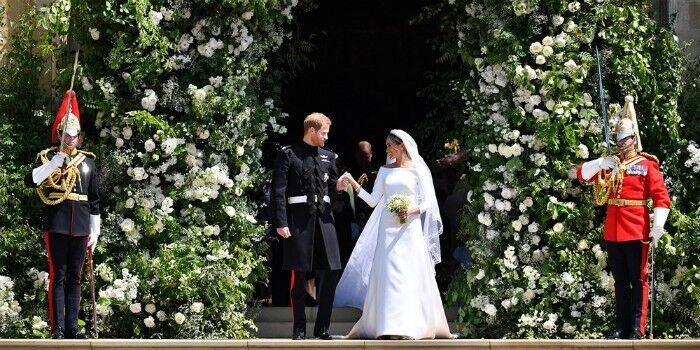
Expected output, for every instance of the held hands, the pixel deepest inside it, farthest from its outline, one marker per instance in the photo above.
(655, 234)
(284, 232)
(345, 180)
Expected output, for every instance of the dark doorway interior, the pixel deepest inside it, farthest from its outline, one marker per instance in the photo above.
(368, 66)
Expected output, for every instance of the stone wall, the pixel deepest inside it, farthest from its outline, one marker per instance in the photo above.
(687, 24)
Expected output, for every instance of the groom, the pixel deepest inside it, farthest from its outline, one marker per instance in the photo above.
(303, 175)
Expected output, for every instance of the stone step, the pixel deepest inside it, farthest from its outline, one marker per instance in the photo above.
(276, 322)
(342, 314)
(283, 330)
(279, 344)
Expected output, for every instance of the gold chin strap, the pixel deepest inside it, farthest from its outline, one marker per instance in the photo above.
(62, 179)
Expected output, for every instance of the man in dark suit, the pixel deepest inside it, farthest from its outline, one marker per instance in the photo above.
(303, 177)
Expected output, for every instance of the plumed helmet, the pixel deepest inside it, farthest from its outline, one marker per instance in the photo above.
(66, 118)
(627, 125)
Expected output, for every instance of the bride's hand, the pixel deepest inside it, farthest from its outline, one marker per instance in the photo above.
(406, 213)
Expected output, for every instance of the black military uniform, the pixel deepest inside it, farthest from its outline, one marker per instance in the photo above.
(303, 177)
(71, 207)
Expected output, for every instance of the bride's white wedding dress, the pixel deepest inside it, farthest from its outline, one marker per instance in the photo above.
(402, 297)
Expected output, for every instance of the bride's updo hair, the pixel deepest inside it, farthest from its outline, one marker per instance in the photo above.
(395, 139)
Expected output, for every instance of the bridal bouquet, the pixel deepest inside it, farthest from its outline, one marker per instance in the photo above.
(398, 203)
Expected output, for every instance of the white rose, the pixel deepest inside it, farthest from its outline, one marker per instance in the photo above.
(239, 150)
(149, 322)
(247, 15)
(129, 203)
(230, 211)
(126, 226)
(570, 65)
(516, 150)
(156, 17)
(197, 307)
(94, 33)
(540, 59)
(150, 308)
(127, 133)
(517, 225)
(548, 41)
(161, 315)
(547, 51)
(574, 6)
(583, 151)
(583, 244)
(528, 202)
(533, 227)
(493, 148)
(119, 142)
(535, 240)
(550, 104)
(149, 145)
(135, 307)
(557, 20)
(558, 227)
(490, 309)
(536, 47)
(179, 318)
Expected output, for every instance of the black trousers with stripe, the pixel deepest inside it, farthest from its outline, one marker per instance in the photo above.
(628, 264)
(66, 255)
(325, 292)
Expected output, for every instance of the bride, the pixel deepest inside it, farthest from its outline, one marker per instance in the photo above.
(391, 272)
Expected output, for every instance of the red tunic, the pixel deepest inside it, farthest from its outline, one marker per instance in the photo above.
(642, 180)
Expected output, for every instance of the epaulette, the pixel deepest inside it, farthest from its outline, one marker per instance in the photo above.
(42, 155)
(335, 155)
(89, 154)
(649, 156)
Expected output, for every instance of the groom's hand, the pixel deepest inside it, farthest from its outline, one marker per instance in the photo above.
(283, 232)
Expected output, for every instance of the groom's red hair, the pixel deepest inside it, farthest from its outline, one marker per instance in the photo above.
(315, 120)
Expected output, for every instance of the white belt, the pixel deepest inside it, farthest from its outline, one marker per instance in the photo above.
(303, 199)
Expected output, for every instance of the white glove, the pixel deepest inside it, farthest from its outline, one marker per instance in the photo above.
(42, 172)
(655, 234)
(657, 230)
(94, 231)
(609, 162)
(589, 169)
(58, 159)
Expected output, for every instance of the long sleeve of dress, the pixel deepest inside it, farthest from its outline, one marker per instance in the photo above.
(423, 202)
(373, 198)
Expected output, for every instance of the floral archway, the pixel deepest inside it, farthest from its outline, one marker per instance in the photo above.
(178, 97)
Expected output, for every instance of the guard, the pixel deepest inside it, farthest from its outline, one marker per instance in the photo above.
(627, 182)
(65, 179)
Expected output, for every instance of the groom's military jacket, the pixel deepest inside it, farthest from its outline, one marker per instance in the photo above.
(303, 180)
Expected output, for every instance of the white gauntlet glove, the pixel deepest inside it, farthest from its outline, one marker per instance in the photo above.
(589, 169)
(657, 230)
(94, 231)
(41, 173)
